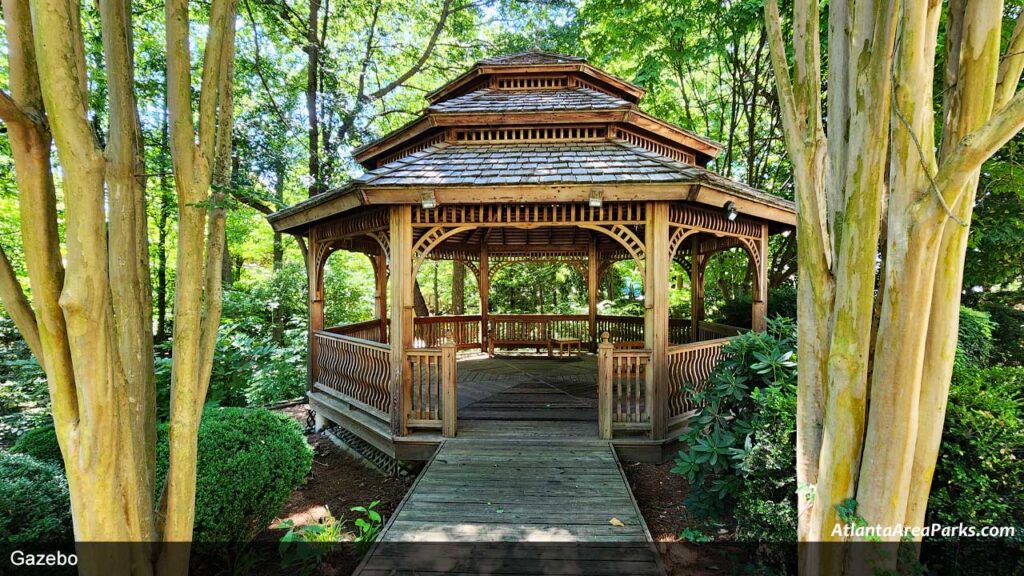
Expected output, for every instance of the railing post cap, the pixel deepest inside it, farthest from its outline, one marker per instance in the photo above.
(605, 336)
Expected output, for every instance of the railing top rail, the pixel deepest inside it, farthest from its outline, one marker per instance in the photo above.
(423, 351)
(353, 340)
(680, 348)
(447, 318)
(538, 316)
(632, 352)
(363, 324)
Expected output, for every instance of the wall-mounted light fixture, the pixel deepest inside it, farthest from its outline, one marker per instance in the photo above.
(596, 196)
(730, 210)
(428, 200)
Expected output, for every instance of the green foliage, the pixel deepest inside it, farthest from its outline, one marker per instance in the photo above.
(995, 245)
(737, 312)
(735, 441)
(695, 535)
(34, 502)
(41, 444)
(367, 528)
(974, 340)
(303, 548)
(1007, 333)
(765, 508)
(979, 477)
(250, 461)
(24, 397)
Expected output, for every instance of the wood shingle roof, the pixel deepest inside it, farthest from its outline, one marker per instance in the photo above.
(488, 100)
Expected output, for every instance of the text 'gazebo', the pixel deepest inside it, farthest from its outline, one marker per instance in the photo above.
(532, 156)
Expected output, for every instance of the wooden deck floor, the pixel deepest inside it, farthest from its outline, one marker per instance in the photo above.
(544, 503)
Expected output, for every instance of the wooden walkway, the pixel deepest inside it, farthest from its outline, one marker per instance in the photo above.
(541, 504)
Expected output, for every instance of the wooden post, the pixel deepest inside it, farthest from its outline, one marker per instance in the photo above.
(759, 308)
(449, 391)
(605, 368)
(380, 297)
(656, 288)
(592, 269)
(696, 290)
(484, 285)
(315, 274)
(401, 315)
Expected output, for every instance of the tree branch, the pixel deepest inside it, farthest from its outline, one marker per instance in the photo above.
(446, 11)
(1010, 66)
(259, 68)
(10, 112)
(18, 307)
(777, 48)
(977, 147)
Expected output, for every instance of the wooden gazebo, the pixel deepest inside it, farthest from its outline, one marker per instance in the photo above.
(532, 156)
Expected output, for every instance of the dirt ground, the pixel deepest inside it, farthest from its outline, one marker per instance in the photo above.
(337, 482)
(660, 494)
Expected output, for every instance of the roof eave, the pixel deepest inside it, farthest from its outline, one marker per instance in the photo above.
(296, 219)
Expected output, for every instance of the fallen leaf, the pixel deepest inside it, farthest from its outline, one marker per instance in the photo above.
(616, 522)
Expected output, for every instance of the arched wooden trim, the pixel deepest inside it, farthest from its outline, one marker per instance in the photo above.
(679, 235)
(321, 254)
(627, 238)
(430, 240)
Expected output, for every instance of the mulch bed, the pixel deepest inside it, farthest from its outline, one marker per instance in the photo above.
(337, 482)
(661, 494)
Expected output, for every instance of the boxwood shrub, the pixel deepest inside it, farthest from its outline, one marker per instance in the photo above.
(41, 444)
(250, 461)
(34, 502)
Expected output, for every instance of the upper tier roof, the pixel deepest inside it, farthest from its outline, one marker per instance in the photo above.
(536, 127)
(488, 100)
(530, 57)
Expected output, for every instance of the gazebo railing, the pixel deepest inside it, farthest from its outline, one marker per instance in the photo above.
(355, 370)
(374, 330)
(623, 389)
(690, 364)
(432, 389)
(431, 331)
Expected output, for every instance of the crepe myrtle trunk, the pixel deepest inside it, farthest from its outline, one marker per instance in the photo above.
(89, 321)
(872, 395)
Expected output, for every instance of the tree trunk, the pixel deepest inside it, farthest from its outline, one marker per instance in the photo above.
(881, 62)
(419, 302)
(312, 49)
(458, 288)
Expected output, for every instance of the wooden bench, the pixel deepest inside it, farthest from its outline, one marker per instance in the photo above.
(517, 333)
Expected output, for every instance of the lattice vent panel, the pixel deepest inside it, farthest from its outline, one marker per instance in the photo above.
(414, 148)
(530, 82)
(531, 134)
(656, 147)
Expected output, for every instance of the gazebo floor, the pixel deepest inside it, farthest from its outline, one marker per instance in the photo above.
(535, 506)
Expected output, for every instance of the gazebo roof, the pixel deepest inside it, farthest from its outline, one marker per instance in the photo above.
(536, 127)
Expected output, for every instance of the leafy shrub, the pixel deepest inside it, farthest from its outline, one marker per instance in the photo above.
(738, 440)
(979, 477)
(41, 444)
(974, 339)
(249, 462)
(766, 503)
(34, 502)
